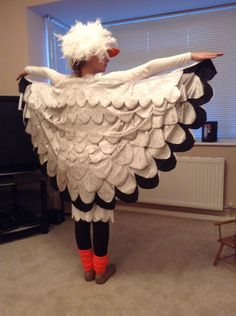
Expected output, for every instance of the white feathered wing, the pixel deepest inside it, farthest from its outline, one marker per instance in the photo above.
(98, 134)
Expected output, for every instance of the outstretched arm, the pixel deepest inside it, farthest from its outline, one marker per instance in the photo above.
(156, 66)
(44, 72)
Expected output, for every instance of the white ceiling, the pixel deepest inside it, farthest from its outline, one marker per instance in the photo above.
(67, 11)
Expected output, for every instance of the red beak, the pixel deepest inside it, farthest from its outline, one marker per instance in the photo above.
(112, 52)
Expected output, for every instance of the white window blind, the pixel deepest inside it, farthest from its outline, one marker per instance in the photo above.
(209, 30)
(205, 30)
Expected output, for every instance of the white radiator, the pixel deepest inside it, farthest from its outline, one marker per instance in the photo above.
(196, 182)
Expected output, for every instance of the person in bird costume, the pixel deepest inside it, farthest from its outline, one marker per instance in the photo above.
(102, 136)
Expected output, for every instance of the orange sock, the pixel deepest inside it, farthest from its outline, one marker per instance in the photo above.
(100, 264)
(86, 257)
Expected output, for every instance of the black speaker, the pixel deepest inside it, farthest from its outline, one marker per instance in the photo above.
(209, 131)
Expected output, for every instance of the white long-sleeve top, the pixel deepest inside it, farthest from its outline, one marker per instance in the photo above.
(148, 69)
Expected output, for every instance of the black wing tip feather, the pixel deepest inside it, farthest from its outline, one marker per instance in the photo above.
(128, 198)
(186, 145)
(107, 205)
(22, 84)
(166, 164)
(205, 70)
(147, 183)
(201, 118)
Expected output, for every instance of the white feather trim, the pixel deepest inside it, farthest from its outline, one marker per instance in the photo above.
(96, 214)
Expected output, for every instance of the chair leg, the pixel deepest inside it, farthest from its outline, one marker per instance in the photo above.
(218, 255)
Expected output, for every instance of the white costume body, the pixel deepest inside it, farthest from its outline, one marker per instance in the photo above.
(131, 78)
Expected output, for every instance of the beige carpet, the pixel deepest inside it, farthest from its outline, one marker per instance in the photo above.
(164, 269)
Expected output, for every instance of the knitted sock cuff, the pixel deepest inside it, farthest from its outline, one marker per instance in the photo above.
(100, 264)
(86, 257)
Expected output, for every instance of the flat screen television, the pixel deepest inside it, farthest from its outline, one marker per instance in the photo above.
(16, 151)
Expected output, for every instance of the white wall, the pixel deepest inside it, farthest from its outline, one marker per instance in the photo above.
(22, 42)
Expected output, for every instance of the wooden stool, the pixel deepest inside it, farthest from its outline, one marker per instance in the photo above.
(229, 241)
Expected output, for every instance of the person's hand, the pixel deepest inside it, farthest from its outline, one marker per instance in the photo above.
(205, 55)
(22, 74)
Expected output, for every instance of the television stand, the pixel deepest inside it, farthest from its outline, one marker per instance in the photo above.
(17, 220)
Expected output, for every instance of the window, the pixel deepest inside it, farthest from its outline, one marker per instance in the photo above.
(54, 55)
(205, 30)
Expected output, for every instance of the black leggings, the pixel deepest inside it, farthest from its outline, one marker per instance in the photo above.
(100, 236)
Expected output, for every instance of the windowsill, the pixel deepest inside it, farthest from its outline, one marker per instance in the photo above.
(220, 142)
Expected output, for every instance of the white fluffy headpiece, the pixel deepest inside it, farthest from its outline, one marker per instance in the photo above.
(83, 41)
